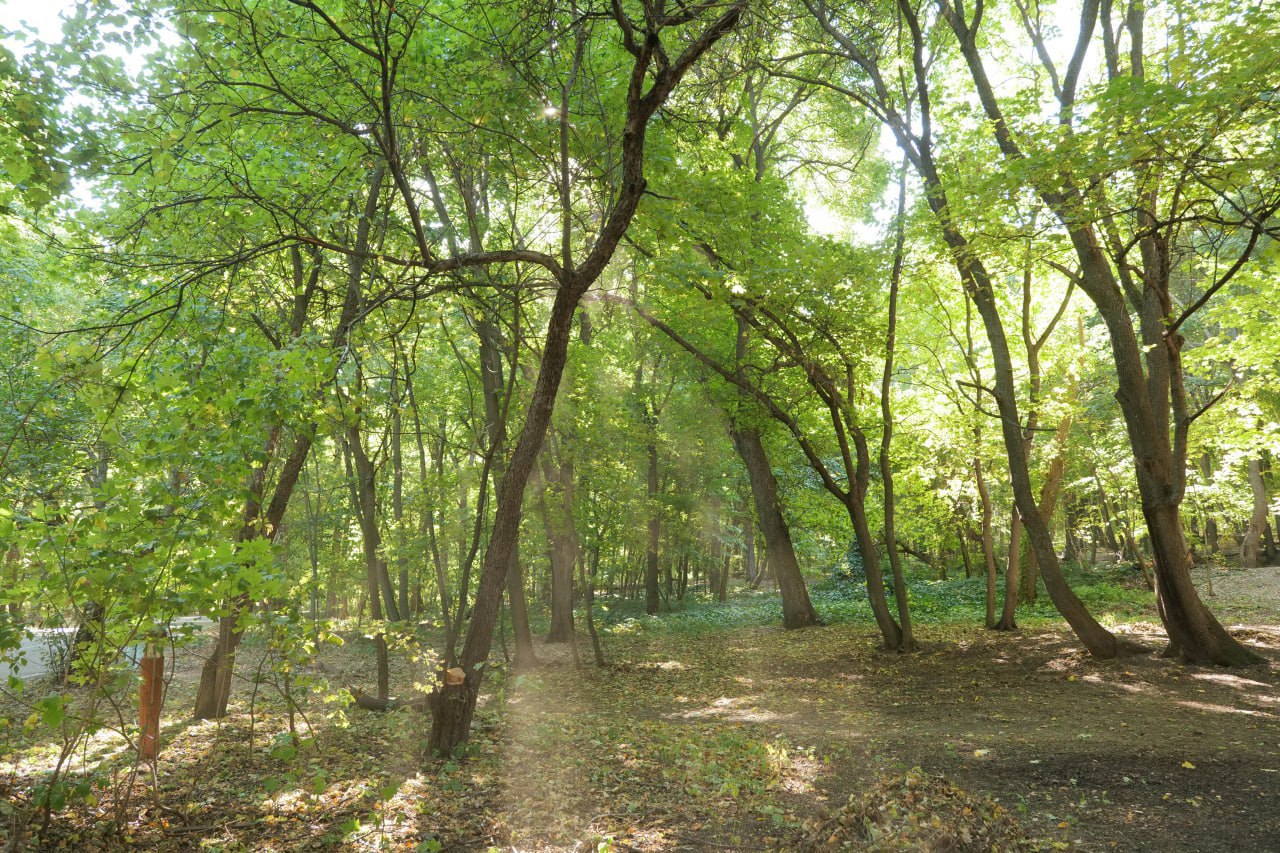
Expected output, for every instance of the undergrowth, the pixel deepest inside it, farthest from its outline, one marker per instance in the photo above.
(1111, 593)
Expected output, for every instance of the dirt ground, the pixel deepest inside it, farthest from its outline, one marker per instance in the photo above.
(740, 739)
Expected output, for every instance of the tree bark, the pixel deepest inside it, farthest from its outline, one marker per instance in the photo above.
(453, 704)
(797, 609)
(496, 392)
(886, 418)
(214, 690)
(562, 537)
(1251, 550)
(651, 596)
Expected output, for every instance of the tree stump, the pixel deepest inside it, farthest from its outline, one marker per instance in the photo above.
(452, 705)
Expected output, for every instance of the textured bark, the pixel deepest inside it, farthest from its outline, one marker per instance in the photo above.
(1251, 550)
(797, 609)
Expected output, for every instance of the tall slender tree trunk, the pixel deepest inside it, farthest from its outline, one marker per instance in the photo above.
(592, 573)
(397, 496)
(364, 494)
(988, 538)
(428, 515)
(747, 523)
(1210, 523)
(562, 538)
(651, 597)
(377, 581)
(886, 419)
(1013, 575)
(495, 406)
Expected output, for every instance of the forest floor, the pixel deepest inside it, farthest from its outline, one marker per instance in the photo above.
(722, 738)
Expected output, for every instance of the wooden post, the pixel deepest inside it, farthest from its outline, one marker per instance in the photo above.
(150, 700)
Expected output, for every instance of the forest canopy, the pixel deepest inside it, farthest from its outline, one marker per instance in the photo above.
(434, 321)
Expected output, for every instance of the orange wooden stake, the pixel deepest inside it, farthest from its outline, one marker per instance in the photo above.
(150, 699)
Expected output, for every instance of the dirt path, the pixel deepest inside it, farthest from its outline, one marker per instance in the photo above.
(732, 739)
(1139, 754)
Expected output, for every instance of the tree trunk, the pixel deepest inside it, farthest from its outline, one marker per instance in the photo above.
(496, 391)
(592, 573)
(364, 496)
(1012, 574)
(429, 516)
(651, 598)
(397, 497)
(797, 609)
(886, 418)
(562, 538)
(453, 704)
(748, 526)
(962, 535)
(1251, 550)
(988, 542)
(363, 499)
(1207, 519)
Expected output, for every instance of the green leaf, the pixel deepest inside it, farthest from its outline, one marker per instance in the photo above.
(52, 711)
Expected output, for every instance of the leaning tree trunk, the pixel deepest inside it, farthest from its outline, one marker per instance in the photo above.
(453, 701)
(1098, 640)
(492, 384)
(797, 609)
(977, 281)
(214, 691)
(1193, 631)
(855, 504)
(215, 678)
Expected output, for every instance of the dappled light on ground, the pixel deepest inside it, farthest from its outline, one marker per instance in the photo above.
(741, 708)
(734, 739)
